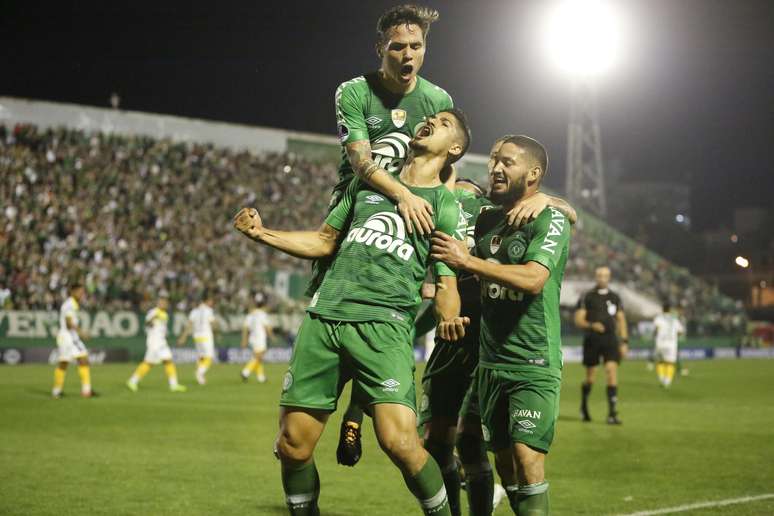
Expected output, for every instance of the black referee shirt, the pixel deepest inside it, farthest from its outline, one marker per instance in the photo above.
(601, 305)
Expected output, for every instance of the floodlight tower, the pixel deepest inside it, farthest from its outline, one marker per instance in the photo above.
(584, 39)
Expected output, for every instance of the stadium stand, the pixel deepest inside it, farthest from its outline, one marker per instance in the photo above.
(134, 214)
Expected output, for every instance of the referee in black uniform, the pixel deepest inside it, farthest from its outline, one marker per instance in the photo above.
(600, 313)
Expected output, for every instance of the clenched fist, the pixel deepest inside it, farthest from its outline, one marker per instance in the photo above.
(248, 222)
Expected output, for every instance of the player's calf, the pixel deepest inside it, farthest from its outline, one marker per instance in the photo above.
(395, 427)
(479, 480)
(440, 434)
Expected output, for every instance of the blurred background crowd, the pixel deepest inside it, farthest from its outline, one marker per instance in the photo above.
(130, 216)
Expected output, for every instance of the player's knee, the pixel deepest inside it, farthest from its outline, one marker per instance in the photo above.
(401, 447)
(530, 464)
(291, 449)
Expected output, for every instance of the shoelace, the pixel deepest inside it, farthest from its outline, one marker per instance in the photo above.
(350, 434)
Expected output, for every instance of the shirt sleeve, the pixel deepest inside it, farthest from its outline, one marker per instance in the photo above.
(339, 216)
(246, 323)
(350, 117)
(149, 317)
(447, 222)
(618, 302)
(551, 235)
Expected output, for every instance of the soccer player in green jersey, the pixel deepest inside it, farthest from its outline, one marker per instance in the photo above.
(450, 369)
(377, 114)
(359, 323)
(520, 359)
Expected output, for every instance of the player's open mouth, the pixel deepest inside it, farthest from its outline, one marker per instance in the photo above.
(499, 180)
(406, 71)
(425, 130)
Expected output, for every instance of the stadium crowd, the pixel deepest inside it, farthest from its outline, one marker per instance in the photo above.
(134, 215)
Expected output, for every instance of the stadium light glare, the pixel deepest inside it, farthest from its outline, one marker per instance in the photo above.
(742, 262)
(584, 37)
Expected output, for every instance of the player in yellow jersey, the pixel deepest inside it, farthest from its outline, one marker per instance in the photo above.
(256, 331)
(156, 347)
(201, 323)
(69, 342)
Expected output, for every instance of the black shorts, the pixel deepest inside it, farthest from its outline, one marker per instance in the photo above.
(604, 349)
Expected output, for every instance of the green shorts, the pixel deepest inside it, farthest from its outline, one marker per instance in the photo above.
(377, 356)
(445, 381)
(518, 407)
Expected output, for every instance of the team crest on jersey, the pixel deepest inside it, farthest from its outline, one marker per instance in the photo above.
(398, 117)
(494, 244)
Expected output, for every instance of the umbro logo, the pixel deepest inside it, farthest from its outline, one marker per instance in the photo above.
(466, 214)
(391, 385)
(374, 199)
(526, 424)
(373, 121)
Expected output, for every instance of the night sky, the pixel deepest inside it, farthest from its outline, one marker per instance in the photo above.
(693, 99)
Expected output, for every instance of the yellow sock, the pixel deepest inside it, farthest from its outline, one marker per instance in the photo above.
(203, 365)
(85, 373)
(171, 371)
(259, 370)
(59, 379)
(670, 373)
(250, 367)
(142, 370)
(660, 370)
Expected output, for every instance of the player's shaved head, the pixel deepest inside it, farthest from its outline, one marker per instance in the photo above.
(602, 276)
(407, 14)
(534, 149)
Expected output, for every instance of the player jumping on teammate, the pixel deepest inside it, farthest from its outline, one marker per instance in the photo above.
(359, 323)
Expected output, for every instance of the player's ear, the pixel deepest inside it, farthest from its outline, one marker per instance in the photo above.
(455, 150)
(379, 49)
(534, 174)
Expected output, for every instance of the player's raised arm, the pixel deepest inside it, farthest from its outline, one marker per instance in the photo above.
(416, 212)
(301, 244)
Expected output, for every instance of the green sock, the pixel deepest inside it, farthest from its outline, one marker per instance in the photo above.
(427, 486)
(444, 456)
(479, 479)
(302, 488)
(532, 500)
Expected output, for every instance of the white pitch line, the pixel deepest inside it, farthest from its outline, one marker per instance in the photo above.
(702, 505)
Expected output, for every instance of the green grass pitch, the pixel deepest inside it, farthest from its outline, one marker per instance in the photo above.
(209, 451)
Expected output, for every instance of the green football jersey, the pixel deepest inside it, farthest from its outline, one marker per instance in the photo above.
(521, 331)
(379, 267)
(367, 111)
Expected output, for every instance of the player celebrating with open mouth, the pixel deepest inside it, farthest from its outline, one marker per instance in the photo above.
(359, 324)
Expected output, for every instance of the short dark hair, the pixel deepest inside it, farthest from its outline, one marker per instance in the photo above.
(405, 14)
(463, 131)
(666, 306)
(75, 285)
(534, 148)
(207, 294)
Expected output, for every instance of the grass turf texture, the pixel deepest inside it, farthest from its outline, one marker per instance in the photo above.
(209, 451)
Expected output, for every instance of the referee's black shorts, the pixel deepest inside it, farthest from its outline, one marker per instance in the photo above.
(600, 348)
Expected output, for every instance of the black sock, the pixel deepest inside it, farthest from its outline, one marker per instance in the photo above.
(444, 455)
(612, 400)
(585, 391)
(354, 413)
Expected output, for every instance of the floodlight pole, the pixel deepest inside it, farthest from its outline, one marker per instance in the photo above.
(585, 185)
